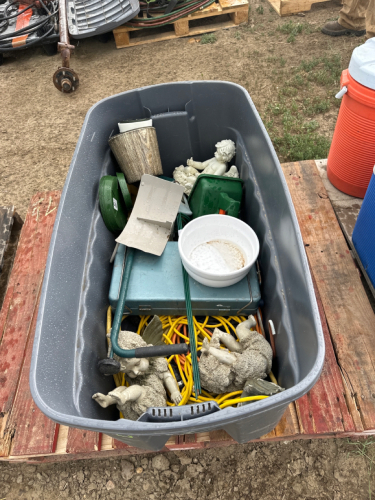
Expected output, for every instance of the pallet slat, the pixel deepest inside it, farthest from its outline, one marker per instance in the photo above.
(288, 425)
(346, 305)
(81, 441)
(28, 430)
(323, 410)
(24, 427)
(17, 312)
(346, 209)
(288, 7)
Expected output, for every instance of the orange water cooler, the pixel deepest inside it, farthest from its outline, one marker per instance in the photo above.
(351, 158)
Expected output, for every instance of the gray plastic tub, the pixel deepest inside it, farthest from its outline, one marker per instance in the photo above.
(189, 117)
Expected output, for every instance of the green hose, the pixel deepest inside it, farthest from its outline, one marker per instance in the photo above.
(139, 352)
(179, 12)
(123, 353)
(189, 314)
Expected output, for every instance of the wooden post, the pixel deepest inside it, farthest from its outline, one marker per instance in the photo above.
(122, 38)
(240, 16)
(181, 27)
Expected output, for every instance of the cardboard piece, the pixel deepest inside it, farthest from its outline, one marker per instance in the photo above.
(153, 215)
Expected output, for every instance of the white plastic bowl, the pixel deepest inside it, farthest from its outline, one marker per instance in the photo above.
(218, 227)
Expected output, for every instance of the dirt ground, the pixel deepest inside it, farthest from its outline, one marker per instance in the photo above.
(301, 470)
(39, 128)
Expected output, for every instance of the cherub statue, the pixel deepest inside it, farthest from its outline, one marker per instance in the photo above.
(242, 363)
(186, 176)
(148, 377)
(225, 150)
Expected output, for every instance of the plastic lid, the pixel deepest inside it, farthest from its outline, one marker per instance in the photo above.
(362, 64)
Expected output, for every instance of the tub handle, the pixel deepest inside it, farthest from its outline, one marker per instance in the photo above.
(342, 92)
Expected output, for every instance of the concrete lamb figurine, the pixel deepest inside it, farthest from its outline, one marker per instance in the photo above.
(250, 359)
(186, 176)
(148, 377)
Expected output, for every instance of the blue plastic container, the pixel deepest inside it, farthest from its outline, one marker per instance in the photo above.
(364, 231)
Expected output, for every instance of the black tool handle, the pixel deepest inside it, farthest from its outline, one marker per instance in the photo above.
(161, 350)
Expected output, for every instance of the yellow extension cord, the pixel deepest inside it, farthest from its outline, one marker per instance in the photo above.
(172, 325)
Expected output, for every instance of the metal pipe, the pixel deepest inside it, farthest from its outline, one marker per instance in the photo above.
(65, 79)
(64, 44)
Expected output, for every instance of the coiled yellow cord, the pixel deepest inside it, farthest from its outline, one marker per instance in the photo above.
(232, 402)
(174, 330)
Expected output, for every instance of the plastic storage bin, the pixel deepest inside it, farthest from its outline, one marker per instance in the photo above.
(364, 231)
(190, 118)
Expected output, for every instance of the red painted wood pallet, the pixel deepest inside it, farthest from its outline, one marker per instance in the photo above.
(342, 403)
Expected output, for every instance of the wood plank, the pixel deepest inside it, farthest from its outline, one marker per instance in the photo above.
(82, 441)
(346, 209)
(28, 430)
(190, 438)
(240, 16)
(209, 28)
(287, 7)
(276, 5)
(122, 39)
(364, 272)
(62, 439)
(6, 223)
(212, 10)
(228, 4)
(107, 442)
(18, 308)
(25, 429)
(288, 425)
(348, 312)
(323, 410)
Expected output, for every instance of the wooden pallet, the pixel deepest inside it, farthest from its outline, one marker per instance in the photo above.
(288, 7)
(222, 14)
(341, 404)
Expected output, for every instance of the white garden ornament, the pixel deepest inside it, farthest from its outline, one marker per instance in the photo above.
(225, 151)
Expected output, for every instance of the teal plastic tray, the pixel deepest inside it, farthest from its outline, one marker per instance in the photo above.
(156, 287)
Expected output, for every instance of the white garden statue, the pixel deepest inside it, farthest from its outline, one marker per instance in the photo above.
(225, 151)
(148, 378)
(242, 366)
